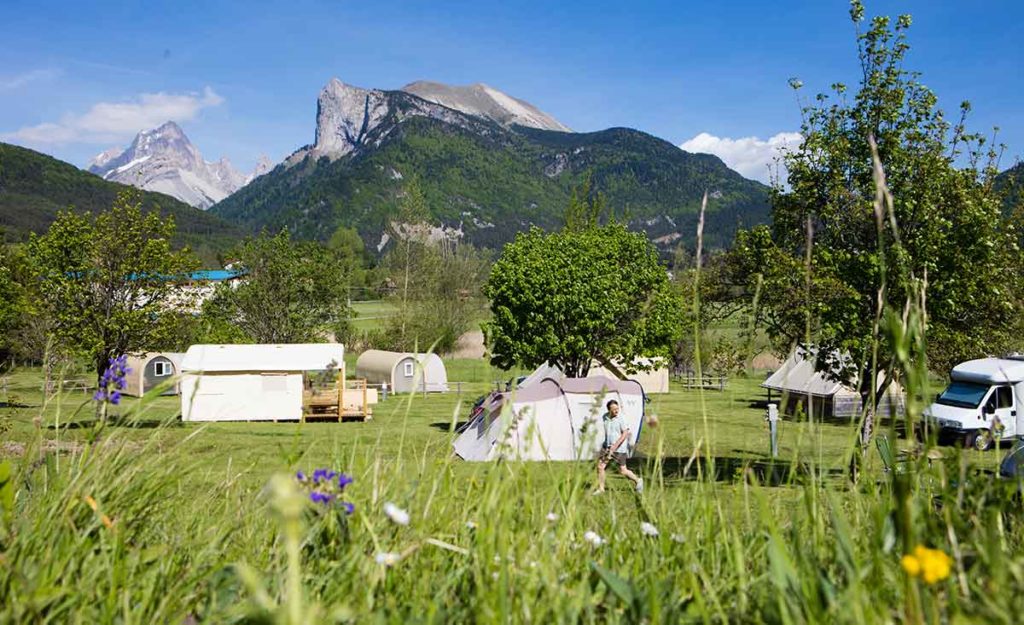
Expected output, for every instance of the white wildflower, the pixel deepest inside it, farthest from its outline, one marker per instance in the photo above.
(497, 559)
(495, 576)
(396, 514)
(552, 517)
(648, 529)
(387, 558)
(471, 525)
(593, 538)
(679, 538)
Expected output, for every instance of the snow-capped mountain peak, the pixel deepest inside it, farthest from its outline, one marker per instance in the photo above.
(164, 160)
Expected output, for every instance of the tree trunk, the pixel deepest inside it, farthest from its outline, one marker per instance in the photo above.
(867, 429)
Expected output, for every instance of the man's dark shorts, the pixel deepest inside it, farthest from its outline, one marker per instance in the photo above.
(618, 457)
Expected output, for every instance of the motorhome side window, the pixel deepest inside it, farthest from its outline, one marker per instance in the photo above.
(1004, 397)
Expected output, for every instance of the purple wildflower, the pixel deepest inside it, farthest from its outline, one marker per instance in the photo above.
(300, 476)
(349, 508)
(318, 497)
(343, 480)
(112, 381)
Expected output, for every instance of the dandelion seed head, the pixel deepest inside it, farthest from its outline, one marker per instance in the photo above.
(396, 514)
(387, 558)
(648, 529)
(593, 538)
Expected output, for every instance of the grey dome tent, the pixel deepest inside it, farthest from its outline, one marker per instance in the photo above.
(549, 419)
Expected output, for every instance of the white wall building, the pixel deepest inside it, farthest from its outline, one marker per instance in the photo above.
(251, 382)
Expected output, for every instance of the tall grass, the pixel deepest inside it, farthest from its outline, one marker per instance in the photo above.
(119, 532)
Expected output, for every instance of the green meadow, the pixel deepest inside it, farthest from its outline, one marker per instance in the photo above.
(176, 522)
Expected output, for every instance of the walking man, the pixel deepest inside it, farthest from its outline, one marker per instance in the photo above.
(615, 447)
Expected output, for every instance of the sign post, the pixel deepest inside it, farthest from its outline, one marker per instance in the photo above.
(772, 417)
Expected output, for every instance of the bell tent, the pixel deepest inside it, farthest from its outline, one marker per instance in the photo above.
(551, 418)
(818, 393)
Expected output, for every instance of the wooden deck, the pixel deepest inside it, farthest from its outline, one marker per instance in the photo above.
(351, 401)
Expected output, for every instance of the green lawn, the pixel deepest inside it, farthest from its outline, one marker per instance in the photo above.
(195, 511)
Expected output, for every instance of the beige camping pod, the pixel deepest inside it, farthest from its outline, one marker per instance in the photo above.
(403, 372)
(149, 370)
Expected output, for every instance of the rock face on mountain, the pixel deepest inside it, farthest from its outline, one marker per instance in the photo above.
(485, 176)
(485, 101)
(350, 119)
(164, 160)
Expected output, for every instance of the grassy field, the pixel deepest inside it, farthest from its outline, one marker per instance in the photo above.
(371, 314)
(173, 521)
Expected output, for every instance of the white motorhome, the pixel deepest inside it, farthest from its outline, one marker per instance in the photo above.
(984, 401)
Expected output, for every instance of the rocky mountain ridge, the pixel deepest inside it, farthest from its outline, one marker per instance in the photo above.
(164, 160)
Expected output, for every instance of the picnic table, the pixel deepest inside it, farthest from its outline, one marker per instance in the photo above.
(691, 380)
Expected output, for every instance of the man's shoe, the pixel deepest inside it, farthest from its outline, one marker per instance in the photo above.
(640, 485)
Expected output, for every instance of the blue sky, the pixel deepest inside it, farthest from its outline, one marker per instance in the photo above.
(242, 77)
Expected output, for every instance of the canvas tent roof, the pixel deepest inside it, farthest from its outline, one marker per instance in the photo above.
(548, 370)
(797, 375)
(281, 357)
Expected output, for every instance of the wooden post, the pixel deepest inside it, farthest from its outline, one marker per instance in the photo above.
(341, 395)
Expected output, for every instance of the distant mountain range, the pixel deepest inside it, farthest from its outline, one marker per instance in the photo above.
(34, 186)
(164, 160)
(1011, 182)
(490, 165)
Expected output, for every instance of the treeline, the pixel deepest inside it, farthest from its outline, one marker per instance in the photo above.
(94, 287)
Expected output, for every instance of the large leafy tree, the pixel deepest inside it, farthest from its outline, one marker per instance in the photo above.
(834, 257)
(570, 297)
(13, 305)
(289, 292)
(106, 281)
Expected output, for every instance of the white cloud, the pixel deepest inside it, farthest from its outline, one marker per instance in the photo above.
(107, 122)
(750, 156)
(20, 80)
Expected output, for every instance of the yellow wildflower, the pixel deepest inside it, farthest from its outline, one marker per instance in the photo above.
(931, 565)
(92, 502)
(911, 565)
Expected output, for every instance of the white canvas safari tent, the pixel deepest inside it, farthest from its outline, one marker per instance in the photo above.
(817, 393)
(550, 418)
(251, 382)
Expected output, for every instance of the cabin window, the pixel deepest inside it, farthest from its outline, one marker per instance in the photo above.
(161, 369)
(1004, 397)
(274, 383)
(408, 369)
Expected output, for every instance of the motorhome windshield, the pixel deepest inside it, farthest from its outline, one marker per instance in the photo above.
(963, 394)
